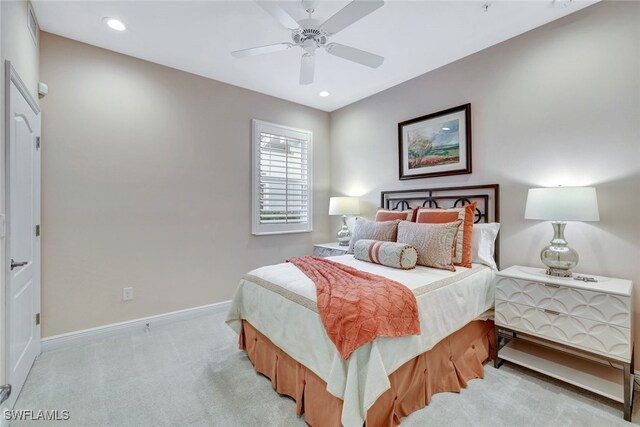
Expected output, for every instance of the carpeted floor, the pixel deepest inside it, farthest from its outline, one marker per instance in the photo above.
(191, 373)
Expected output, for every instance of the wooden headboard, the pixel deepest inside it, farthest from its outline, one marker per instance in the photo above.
(487, 197)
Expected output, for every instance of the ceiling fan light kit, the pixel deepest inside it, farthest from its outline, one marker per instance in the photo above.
(311, 35)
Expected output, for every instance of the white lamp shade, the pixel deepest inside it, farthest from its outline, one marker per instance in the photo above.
(562, 204)
(344, 206)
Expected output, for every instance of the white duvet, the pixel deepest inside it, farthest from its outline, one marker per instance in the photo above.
(278, 300)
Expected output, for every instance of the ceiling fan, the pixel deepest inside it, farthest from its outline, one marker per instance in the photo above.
(310, 35)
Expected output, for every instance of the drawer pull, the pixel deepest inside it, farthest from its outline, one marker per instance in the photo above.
(552, 286)
(555, 313)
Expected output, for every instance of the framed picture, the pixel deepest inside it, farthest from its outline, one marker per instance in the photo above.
(437, 144)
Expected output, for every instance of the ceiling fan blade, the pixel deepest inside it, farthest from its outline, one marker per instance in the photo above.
(355, 55)
(279, 14)
(349, 14)
(261, 50)
(307, 69)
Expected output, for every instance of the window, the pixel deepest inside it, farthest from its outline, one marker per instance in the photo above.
(281, 179)
(32, 24)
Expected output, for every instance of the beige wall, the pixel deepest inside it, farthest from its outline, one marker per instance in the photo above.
(557, 105)
(146, 180)
(17, 46)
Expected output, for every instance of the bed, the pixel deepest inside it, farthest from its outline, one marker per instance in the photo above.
(275, 314)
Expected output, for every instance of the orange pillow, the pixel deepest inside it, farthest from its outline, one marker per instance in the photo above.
(436, 216)
(389, 215)
(463, 254)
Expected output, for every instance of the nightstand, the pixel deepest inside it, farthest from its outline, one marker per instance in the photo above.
(575, 331)
(329, 249)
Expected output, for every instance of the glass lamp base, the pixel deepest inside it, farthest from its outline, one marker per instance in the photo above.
(344, 234)
(343, 240)
(558, 256)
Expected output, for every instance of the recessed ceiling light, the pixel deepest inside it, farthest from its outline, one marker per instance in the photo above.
(115, 24)
(446, 128)
(324, 94)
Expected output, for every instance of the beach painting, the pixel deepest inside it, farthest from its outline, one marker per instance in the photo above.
(436, 144)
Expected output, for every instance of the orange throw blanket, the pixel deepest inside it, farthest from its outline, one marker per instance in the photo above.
(356, 307)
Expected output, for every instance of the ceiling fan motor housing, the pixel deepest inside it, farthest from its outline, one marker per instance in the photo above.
(309, 30)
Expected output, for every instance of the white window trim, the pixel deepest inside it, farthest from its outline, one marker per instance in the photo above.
(270, 229)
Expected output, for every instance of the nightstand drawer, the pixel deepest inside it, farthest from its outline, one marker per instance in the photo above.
(605, 339)
(596, 306)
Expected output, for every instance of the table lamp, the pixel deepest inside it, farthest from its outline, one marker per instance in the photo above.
(344, 206)
(561, 204)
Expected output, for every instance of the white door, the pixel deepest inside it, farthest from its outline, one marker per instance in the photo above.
(23, 229)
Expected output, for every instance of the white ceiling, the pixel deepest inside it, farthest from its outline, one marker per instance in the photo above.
(413, 36)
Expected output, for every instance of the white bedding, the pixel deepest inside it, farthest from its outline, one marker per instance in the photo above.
(279, 301)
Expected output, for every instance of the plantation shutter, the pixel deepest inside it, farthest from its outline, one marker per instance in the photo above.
(282, 179)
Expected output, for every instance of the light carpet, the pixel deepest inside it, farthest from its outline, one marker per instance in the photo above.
(191, 373)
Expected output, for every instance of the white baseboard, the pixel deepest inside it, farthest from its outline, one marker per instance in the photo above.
(87, 335)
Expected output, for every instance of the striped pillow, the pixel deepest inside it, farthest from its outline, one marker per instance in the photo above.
(390, 254)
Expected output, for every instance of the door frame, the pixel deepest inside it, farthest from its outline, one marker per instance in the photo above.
(11, 76)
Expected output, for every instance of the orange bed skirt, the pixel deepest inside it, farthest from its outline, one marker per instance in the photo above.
(446, 367)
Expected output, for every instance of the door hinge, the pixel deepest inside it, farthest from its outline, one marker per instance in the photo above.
(37, 318)
(37, 142)
(38, 230)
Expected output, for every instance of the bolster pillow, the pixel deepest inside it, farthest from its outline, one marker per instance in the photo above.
(391, 254)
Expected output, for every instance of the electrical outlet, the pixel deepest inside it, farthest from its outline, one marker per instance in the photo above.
(127, 294)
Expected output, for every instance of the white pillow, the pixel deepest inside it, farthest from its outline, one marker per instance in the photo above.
(484, 243)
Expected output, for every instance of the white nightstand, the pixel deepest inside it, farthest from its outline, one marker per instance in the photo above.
(575, 331)
(329, 249)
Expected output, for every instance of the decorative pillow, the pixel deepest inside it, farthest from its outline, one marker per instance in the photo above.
(365, 229)
(462, 255)
(389, 215)
(391, 254)
(484, 243)
(433, 242)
